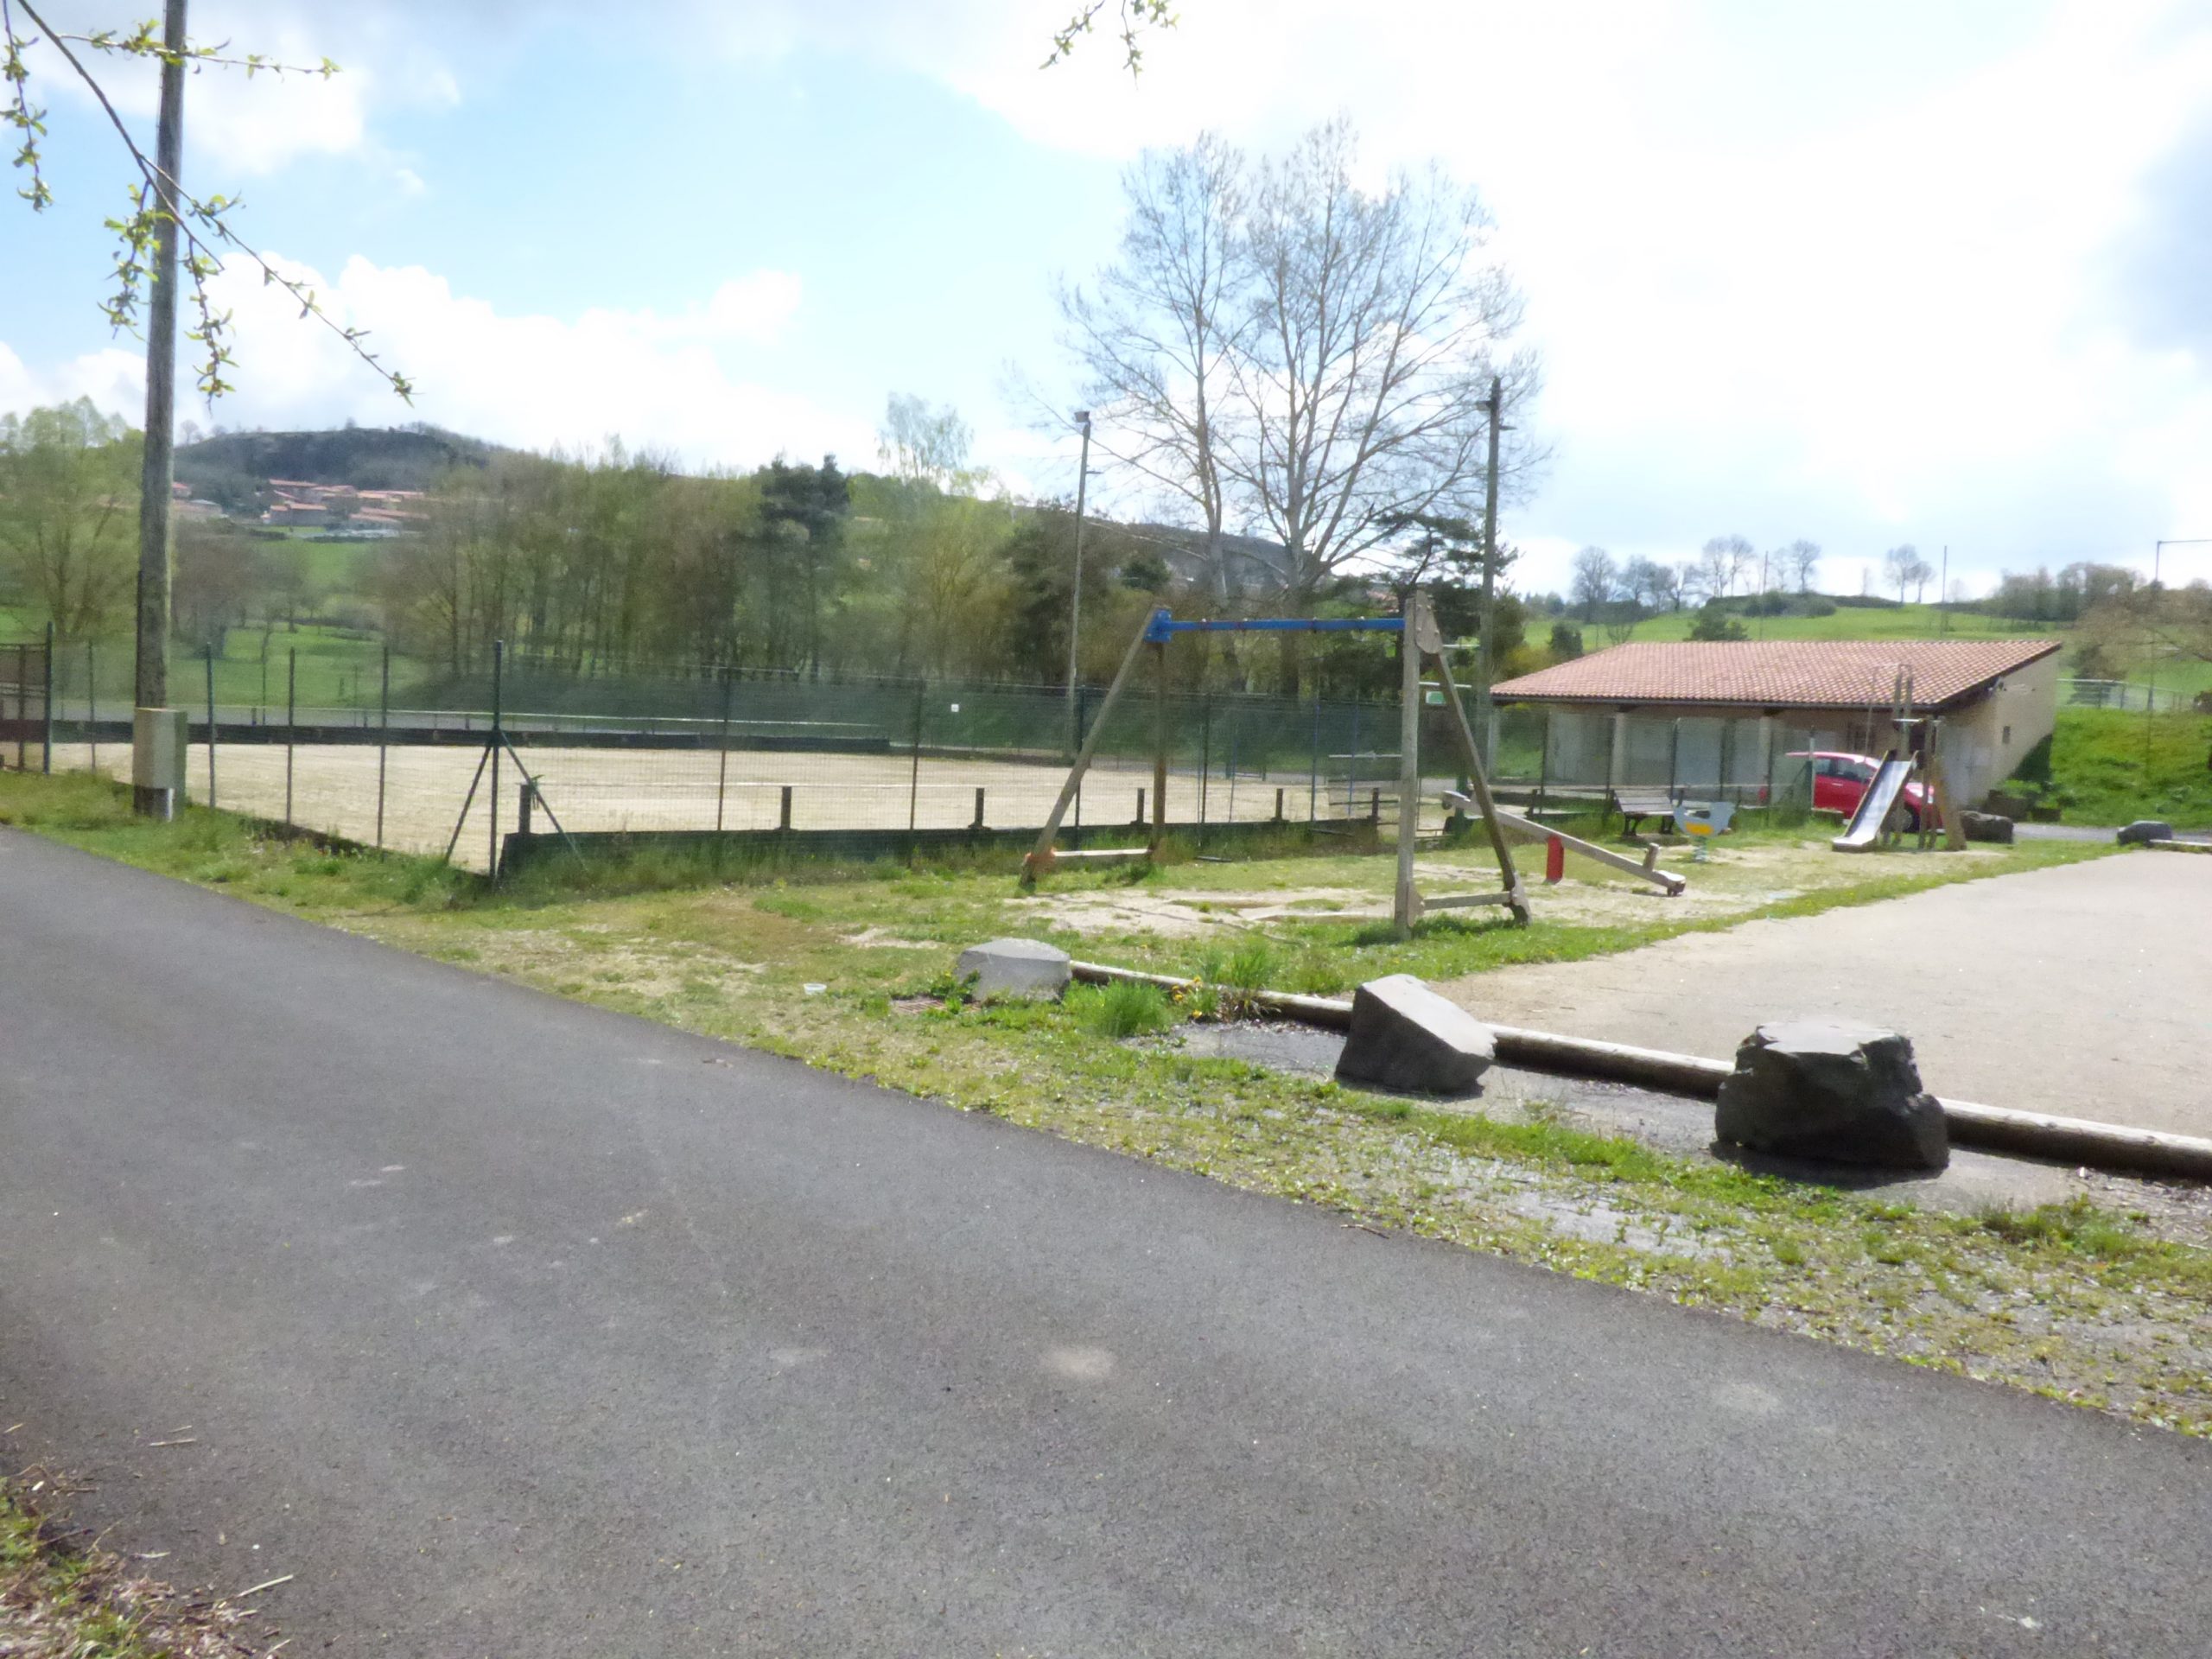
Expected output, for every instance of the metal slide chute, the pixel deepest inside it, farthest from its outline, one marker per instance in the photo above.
(1865, 831)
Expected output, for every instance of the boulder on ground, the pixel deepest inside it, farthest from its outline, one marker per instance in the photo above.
(2143, 831)
(1407, 1038)
(1986, 826)
(1016, 968)
(1824, 1090)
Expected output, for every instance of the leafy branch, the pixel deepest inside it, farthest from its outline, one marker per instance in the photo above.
(157, 200)
(1132, 18)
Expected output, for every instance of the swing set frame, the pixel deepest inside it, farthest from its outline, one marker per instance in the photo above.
(1420, 638)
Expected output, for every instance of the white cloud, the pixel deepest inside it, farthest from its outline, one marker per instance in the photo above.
(538, 382)
(254, 125)
(1793, 272)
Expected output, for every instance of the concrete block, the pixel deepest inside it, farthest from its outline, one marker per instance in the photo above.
(1406, 1037)
(1016, 968)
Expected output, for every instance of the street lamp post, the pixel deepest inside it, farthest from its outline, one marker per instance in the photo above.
(1075, 601)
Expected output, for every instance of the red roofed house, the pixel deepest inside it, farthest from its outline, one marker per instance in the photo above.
(1723, 716)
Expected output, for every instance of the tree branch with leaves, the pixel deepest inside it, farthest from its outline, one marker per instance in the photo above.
(204, 224)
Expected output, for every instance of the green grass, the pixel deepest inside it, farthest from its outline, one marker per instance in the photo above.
(1847, 622)
(63, 1595)
(2083, 1303)
(2110, 766)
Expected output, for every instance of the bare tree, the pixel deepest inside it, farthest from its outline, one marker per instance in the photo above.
(1922, 573)
(1595, 575)
(922, 445)
(1154, 339)
(1377, 324)
(1721, 564)
(1899, 566)
(1802, 560)
(1689, 582)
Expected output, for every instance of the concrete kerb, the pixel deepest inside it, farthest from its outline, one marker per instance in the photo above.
(1994, 1129)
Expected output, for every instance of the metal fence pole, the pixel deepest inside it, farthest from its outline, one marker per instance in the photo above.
(1205, 760)
(1313, 772)
(92, 705)
(498, 688)
(384, 738)
(1351, 767)
(1544, 759)
(914, 776)
(1674, 758)
(291, 720)
(46, 745)
(722, 773)
(210, 726)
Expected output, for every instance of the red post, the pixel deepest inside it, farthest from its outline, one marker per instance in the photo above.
(1554, 861)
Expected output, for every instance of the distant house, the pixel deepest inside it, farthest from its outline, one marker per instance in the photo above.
(1724, 716)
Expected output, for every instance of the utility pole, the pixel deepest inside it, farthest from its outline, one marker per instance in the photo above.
(1075, 601)
(157, 767)
(1483, 719)
(1943, 593)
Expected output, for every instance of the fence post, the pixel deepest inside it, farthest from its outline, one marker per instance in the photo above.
(46, 746)
(722, 771)
(1351, 767)
(914, 777)
(1314, 774)
(978, 824)
(1674, 757)
(384, 737)
(499, 690)
(210, 726)
(784, 817)
(92, 705)
(1544, 759)
(291, 720)
(1205, 760)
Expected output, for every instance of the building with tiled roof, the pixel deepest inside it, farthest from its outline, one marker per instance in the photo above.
(1727, 714)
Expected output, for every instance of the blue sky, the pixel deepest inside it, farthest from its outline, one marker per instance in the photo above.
(1885, 272)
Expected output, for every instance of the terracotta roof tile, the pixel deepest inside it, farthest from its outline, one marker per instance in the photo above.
(1780, 673)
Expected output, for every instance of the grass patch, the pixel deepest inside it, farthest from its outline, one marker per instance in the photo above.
(1124, 1008)
(62, 1597)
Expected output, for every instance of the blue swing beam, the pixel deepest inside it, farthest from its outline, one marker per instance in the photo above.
(1163, 625)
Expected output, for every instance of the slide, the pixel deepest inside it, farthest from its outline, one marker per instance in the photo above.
(1865, 827)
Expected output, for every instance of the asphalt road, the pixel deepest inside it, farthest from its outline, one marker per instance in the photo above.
(512, 1327)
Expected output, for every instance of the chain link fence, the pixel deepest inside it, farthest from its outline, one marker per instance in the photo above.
(407, 761)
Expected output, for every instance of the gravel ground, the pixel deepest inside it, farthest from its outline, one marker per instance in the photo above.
(2084, 990)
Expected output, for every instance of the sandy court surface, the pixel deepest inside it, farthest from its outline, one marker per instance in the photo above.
(2084, 990)
(333, 789)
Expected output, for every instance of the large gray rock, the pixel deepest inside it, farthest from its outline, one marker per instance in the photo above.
(1016, 968)
(1406, 1037)
(1822, 1089)
(2145, 830)
(1986, 826)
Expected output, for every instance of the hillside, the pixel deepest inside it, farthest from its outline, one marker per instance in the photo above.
(231, 467)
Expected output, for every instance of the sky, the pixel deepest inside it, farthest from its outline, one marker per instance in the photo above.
(1937, 271)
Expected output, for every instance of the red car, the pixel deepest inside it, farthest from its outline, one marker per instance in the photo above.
(1840, 783)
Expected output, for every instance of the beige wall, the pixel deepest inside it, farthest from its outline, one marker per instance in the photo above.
(1984, 744)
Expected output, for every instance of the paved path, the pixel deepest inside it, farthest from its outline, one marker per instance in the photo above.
(2085, 990)
(514, 1327)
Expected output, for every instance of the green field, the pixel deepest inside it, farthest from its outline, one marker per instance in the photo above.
(1847, 622)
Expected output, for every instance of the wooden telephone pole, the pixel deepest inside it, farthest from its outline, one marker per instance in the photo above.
(1488, 671)
(154, 790)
